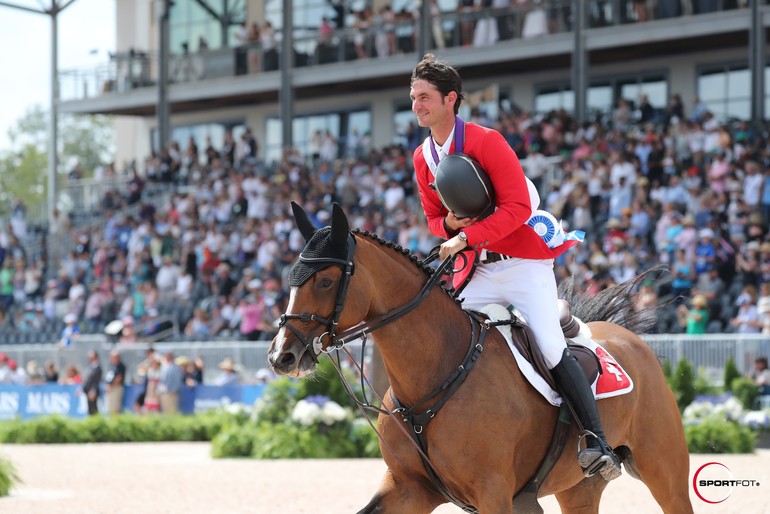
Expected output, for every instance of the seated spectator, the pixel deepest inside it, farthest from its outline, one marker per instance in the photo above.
(70, 332)
(696, 318)
(198, 326)
(747, 321)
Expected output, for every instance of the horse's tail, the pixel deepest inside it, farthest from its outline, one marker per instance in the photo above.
(614, 304)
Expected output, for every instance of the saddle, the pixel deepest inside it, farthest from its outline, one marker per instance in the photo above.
(524, 341)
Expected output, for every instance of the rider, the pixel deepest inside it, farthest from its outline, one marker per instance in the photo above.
(516, 265)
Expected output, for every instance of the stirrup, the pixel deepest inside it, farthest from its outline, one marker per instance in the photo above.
(597, 459)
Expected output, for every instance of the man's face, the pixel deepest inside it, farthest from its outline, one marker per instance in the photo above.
(430, 106)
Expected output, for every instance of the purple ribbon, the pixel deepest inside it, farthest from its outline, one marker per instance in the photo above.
(459, 139)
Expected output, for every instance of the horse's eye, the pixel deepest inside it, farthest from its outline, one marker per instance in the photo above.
(326, 283)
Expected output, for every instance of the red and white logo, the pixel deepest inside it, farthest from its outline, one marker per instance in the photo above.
(713, 482)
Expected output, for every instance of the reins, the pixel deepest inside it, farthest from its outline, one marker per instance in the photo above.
(416, 420)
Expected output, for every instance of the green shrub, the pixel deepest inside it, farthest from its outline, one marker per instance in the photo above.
(719, 436)
(745, 390)
(325, 381)
(731, 373)
(683, 384)
(8, 476)
(118, 429)
(234, 441)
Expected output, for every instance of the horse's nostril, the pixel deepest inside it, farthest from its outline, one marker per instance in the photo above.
(286, 359)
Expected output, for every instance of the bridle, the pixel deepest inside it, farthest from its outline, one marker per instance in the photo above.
(337, 341)
(411, 416)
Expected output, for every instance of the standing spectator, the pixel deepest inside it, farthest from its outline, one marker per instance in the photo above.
(91, 385)
(170, 382)
(762, 375)
(50, 374)
(229, 374)
(72, 376)
(151, 393)
(114, 383)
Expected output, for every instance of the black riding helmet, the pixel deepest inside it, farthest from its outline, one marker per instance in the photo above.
(464, 187)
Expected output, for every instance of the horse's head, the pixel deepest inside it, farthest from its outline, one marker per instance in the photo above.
(320, 281)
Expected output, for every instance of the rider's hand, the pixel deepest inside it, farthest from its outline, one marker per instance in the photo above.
(456, 223)
(451, 247)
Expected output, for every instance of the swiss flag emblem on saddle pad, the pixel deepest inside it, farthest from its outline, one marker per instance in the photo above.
(613, 380)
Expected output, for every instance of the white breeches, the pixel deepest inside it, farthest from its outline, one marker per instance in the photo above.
(530, 286)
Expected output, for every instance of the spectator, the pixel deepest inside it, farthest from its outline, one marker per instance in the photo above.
(72, 376)
(114, 383)
(171, 377)
(70, 332)
(50, 375)
(152, 396)
(229, 375)
(91, 385)
(747, 319)
(762, 375)
(696, 318)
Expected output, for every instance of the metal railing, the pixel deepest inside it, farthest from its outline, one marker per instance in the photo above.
(132, 70)
(707, 353)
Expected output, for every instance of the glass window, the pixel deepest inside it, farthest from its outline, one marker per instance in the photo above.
(726, 91)
(188, 21)
(600, 98)
(402, 119)
(550, 100)
(303, 128)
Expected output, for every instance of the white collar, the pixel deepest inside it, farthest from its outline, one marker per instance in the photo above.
(447, 144)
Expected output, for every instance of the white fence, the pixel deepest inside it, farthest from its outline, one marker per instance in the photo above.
(707, 353)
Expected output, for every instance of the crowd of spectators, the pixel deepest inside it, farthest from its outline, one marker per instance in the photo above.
(355, 34)
(653, 185)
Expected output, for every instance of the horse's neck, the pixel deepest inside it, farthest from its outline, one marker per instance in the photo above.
(423, 348)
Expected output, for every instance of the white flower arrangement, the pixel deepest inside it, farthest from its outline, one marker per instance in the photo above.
(309, 413)
(725, 407)
(306, 413)
(757, 419)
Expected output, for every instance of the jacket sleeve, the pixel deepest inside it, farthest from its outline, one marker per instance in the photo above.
(511, 192)
(435, 212)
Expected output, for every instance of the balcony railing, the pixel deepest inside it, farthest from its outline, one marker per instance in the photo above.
(477, 28)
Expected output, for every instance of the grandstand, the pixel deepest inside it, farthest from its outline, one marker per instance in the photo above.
(659, 160)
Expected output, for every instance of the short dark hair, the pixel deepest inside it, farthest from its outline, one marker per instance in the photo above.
(762, 361)
(443, 76)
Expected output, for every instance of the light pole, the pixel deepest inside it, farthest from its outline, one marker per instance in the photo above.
(53, 120)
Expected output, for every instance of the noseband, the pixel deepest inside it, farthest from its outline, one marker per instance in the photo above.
(337, 341)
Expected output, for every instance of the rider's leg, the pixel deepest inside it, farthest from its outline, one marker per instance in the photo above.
(573, 385)
(530, 285)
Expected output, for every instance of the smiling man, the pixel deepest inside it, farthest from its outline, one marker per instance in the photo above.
(516, 264)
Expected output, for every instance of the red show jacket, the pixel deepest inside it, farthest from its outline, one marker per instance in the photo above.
(505, 231)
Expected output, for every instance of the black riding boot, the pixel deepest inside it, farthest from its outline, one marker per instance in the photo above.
(575, 389)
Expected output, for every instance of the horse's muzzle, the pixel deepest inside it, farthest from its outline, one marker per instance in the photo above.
(290, 358)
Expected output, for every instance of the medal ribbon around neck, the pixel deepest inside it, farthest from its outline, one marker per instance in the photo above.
(459, 140)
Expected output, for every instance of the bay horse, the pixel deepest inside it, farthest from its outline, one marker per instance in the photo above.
(491, 434)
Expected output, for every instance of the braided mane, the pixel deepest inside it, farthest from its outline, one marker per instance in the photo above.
(400, 249)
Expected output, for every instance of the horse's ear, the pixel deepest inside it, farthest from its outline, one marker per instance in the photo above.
(340, 227)
(305, 226)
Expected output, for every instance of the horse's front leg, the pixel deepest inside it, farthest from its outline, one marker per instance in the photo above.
(398, 496)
